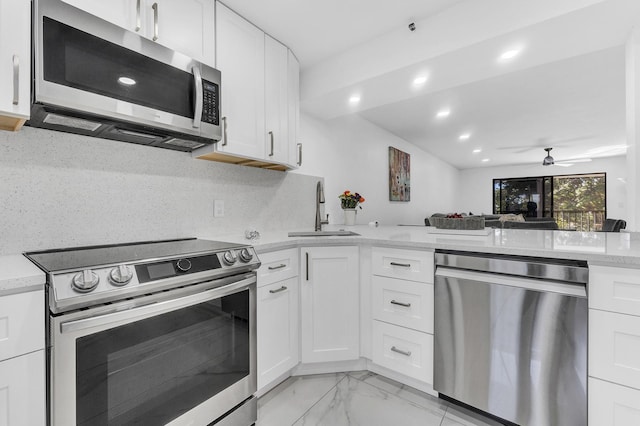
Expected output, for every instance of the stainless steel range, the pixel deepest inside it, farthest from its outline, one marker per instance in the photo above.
(151, 333)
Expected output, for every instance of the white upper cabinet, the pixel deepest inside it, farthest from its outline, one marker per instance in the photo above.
(276, 98)
(15, 63)
(260, 86)
(293, 98)
(240, 59)
(187, 26)
(127, 14)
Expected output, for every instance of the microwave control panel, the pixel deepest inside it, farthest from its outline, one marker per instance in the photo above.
(210, 102)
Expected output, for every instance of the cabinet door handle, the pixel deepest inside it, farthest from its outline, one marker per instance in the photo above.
(271, 138)
(299, 154)
(16, 80)
(395, 302)
(138, 23)
(224, 131)
(400, 351)
(280, 266)
(155, 21)
(404, 265)
(278, 290)
(307, 264)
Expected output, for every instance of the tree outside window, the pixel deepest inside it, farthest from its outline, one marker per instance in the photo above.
(575, 201)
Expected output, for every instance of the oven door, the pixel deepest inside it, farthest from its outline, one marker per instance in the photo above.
(187, 359)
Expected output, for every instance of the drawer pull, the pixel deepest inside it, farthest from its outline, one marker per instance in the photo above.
(395, 302)
(278, 290)
(400, 351)
(404, 265)
(280, 266)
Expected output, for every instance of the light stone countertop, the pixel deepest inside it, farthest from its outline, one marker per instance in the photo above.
(602, 248)
(18, 275)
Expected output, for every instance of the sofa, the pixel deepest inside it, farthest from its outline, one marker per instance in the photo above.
(493, 221)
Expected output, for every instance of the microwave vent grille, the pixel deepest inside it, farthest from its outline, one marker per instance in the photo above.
(76, 123)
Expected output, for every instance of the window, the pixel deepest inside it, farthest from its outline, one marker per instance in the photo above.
(575, 201)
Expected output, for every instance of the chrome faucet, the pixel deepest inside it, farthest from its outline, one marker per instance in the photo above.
(320, 200)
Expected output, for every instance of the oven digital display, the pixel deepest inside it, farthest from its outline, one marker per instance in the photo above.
(161, 270)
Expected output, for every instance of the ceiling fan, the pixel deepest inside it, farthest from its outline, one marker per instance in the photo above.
(542, 142)
(550, 161)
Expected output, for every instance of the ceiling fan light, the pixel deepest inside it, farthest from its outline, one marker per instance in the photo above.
(548, 160)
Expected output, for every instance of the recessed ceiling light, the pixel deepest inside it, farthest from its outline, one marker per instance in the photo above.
(354, 99)
(419, 81)
(484, 160)
(464, 136)
(477, 150)
(443, 113)
(127, 81)
(507, 55)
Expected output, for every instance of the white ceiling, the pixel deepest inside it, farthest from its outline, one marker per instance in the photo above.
(316, 30)
(565, 90)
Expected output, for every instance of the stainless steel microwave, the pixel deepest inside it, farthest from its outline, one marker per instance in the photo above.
(94, 78)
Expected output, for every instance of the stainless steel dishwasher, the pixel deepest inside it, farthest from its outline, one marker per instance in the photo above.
(511, 336)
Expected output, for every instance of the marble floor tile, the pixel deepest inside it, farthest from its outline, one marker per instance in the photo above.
(356, 403)
(398, 389)
(288, 401)
(459, 416)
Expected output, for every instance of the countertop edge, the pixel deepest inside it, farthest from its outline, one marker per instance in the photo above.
(19, 275)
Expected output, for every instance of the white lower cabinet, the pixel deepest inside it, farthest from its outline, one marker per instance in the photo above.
(614, 347)
(277, 313)
(22, 390)
(405, 303)
(22, 363)
(402, 312)
(405, 351)
(329, 286)
(613, 405)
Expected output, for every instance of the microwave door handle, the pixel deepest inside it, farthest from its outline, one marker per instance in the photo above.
(197, 115)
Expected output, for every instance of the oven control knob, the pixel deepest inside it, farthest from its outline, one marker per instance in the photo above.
(184, 265)
(121, 275)
(85, 281)
(229, 257)
(246, 255)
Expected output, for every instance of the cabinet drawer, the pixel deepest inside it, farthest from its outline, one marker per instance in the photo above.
(277, 266)
(613, 405)
(614, 289)
(405, 303)
(404, 264)
(405, 351)
(614, 347)
(21, 323)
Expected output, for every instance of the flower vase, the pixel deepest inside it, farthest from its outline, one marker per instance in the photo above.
(349, 216)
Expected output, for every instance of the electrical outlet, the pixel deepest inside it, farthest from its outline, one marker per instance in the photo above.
(218, 208)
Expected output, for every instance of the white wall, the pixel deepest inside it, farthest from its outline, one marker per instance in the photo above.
(632, 79)
(476, 185)
(351, 153)
(62, 190)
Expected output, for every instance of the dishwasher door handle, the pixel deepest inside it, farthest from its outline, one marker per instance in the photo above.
(576, 290)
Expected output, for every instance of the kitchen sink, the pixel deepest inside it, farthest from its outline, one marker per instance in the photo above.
(323, 234)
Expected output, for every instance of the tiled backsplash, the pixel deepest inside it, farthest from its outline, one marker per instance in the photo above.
(62, 190)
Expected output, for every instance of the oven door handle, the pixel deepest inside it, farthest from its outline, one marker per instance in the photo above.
(135, 313)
